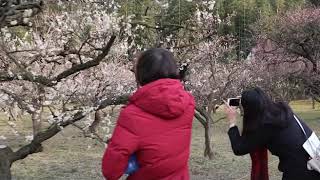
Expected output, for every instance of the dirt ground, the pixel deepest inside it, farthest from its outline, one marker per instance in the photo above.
(71, 156)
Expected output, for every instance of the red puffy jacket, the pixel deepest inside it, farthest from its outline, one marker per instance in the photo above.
(156, 126)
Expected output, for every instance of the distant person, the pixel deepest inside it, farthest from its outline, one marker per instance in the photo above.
(155, 125)
(271, 125)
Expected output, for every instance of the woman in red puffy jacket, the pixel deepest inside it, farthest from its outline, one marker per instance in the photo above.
(155, 125)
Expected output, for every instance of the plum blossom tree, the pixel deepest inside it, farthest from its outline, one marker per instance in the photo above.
(189, 30)
(294, 48)
(212, 74)
(68, 64)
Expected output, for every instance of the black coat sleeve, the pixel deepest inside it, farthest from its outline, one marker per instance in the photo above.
(242, 145)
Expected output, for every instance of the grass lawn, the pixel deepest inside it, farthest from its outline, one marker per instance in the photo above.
(70, 156)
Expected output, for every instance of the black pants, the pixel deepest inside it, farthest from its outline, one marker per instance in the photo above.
(310, 175)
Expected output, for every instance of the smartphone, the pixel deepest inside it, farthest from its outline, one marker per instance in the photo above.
(234, 101)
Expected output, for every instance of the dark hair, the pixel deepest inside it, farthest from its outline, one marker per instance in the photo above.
(154, 64)
(259, 109)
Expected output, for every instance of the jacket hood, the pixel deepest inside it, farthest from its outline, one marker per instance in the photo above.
(165, 98)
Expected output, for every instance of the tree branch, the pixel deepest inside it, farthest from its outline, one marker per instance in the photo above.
(55, 128)
(89, 64)
(27, 76)
(200, 118)
(19, 100)
(114, 101)
(218, 120)
(162, 27)
(92, 135)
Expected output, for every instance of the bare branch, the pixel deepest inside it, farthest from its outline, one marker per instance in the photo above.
(92, 135)
(200, 118)
(27, 76)
(35, 145)
(114, 101)
(163, 26)
(89, 64)
(218, 120)
(19, 100)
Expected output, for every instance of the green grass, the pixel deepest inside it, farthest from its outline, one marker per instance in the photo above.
(304, 106)
(70, 156)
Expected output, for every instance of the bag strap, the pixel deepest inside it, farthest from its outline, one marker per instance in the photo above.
(304, 132)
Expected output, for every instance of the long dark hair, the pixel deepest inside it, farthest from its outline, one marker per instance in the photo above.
(259, 109)
(154, 64)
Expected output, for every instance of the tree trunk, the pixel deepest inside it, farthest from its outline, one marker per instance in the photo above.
(209, 147)
(208, 152)
(206, 122)
(97, 120)
(36, 122)
(5, 162)
(313, 103)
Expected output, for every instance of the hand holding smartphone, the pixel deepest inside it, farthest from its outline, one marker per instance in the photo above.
(230, 110)
(235, 102)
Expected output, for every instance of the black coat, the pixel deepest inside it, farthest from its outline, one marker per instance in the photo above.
(286, 143)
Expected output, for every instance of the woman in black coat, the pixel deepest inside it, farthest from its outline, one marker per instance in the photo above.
(271, 125)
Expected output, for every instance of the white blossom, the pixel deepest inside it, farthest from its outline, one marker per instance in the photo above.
(2, 146)
(25, 20)
(12, 124)
(27, 13)
(15, 22)
(29, 138)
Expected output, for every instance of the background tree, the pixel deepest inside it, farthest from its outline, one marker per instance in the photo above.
(294, 39)
(315, 2)
(245, 13)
